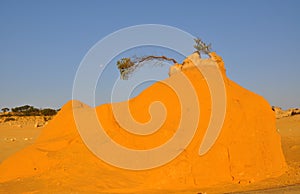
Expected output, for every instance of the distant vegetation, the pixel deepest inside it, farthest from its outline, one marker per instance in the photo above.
(27, 110)
(5, 110)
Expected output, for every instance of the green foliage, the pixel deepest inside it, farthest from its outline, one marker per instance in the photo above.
(126, 66)
(201, 47)
(22, 108)
(48, 112)
(27, 110)
(5, 110)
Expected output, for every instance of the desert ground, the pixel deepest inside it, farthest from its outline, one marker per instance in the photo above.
(15, 136)
(18, 134)
(247, 157)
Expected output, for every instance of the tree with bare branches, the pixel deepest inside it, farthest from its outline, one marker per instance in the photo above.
(127, 66)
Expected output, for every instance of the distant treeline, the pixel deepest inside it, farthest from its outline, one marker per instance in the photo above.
(27, 110)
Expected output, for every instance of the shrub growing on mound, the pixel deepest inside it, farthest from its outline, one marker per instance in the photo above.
(127, 65)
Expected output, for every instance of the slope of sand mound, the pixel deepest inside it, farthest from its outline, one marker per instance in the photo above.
(247, 150)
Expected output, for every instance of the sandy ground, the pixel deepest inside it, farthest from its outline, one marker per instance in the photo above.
(14, 138)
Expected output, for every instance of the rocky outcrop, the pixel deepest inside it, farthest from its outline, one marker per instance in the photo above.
(248, 148)
(280, 113)
(187, 63)
(21, 121)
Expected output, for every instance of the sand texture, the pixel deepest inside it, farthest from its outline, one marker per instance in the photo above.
(247, 154)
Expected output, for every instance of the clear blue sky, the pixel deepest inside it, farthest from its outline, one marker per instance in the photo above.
(43, 42)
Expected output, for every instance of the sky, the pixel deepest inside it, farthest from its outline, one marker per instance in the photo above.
(42, 44)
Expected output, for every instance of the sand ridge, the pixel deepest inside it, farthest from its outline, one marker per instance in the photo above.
(247, 151)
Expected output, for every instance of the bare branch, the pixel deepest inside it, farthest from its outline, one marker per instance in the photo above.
(127, 66)
(158, 58)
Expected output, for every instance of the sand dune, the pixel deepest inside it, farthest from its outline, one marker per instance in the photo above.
(246, 156)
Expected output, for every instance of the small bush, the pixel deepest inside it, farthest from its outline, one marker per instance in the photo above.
(48, 112)
(27, 110)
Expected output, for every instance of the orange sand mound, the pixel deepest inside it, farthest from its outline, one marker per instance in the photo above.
(247, 150)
